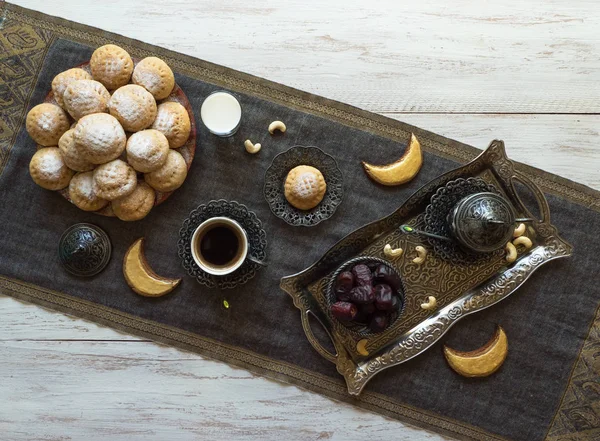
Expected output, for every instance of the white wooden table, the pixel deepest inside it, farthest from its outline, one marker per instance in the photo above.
(526, 72)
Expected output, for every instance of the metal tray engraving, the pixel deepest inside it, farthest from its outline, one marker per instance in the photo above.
(461, 288)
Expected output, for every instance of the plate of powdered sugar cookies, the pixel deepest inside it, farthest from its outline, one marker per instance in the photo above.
(115, 135)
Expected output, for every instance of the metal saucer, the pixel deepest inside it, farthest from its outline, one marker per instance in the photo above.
(257, 243)
(275, 179)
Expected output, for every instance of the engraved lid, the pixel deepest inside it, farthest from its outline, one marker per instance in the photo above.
(482, 222)
(84, 249)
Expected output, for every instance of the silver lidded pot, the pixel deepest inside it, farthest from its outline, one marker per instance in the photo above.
(482, 222)
(84, 249)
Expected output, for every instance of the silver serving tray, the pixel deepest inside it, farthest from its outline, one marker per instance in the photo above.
(460, 289)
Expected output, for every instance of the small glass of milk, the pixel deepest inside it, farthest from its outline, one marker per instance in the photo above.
(221, 113)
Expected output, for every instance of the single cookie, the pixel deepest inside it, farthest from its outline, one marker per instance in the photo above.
(99, 138)
(85, 97)
(111, 65)
(133, 106)
(155, 76)
(114, 179)
(147, 150)
(136, 205)
(71, 155)
(46, 123)
(304, 187)
(173, 120)
(170, 175)
(62, 81)
(48, 170)
(81, 192)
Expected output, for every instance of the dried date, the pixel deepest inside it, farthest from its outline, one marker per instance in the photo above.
(385, 274)
(396, 303)
(362, 275)
(384, 297)
(344, 311)
(345, 281)
(379, 321)
(362, 294)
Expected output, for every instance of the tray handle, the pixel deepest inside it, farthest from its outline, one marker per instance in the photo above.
(311, 336)
(537, 193)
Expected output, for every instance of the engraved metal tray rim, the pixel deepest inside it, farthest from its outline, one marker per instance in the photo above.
(423, 335)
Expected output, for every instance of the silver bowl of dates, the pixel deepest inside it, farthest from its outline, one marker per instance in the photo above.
(366, 294)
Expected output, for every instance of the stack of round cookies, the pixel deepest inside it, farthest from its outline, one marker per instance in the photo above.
(121, 148)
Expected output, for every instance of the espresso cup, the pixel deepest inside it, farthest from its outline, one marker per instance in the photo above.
(219, 246)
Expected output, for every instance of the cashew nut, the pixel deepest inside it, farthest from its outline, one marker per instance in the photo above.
(392, 253)
(523, 240)
(421, 255)
(361, 347)
(276, 125)
(252, 148)
(430, 304)
(519, 231)
(511, 252)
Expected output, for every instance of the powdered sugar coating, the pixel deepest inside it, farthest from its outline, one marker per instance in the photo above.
(133, 106)
(136, 205)
(174, 122)
(85, 97)
(46, 123)
(147, 150)
(114, 179)
(111, 65)
(71, 155)
(63, 79)
(155, 76)
(170, 175)
(99, 138)
(48, 170)
(81, 192)
(304, 187)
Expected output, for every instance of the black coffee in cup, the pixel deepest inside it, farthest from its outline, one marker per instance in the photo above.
(219, 245)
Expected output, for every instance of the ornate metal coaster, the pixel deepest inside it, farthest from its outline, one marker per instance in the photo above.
(275, 179)
(257, 242)
(84, 249)
(436, 217)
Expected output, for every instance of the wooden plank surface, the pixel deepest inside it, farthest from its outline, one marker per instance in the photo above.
(467, 56)
(69, 379)
(525, 72)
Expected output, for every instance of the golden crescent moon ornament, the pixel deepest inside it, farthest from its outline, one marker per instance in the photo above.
(480, 362)
(401, 171)
(140, 277)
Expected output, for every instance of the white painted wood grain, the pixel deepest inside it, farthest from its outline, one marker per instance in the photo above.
(568, 145)
(96, 387)
(67, 378)
(398, 56)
